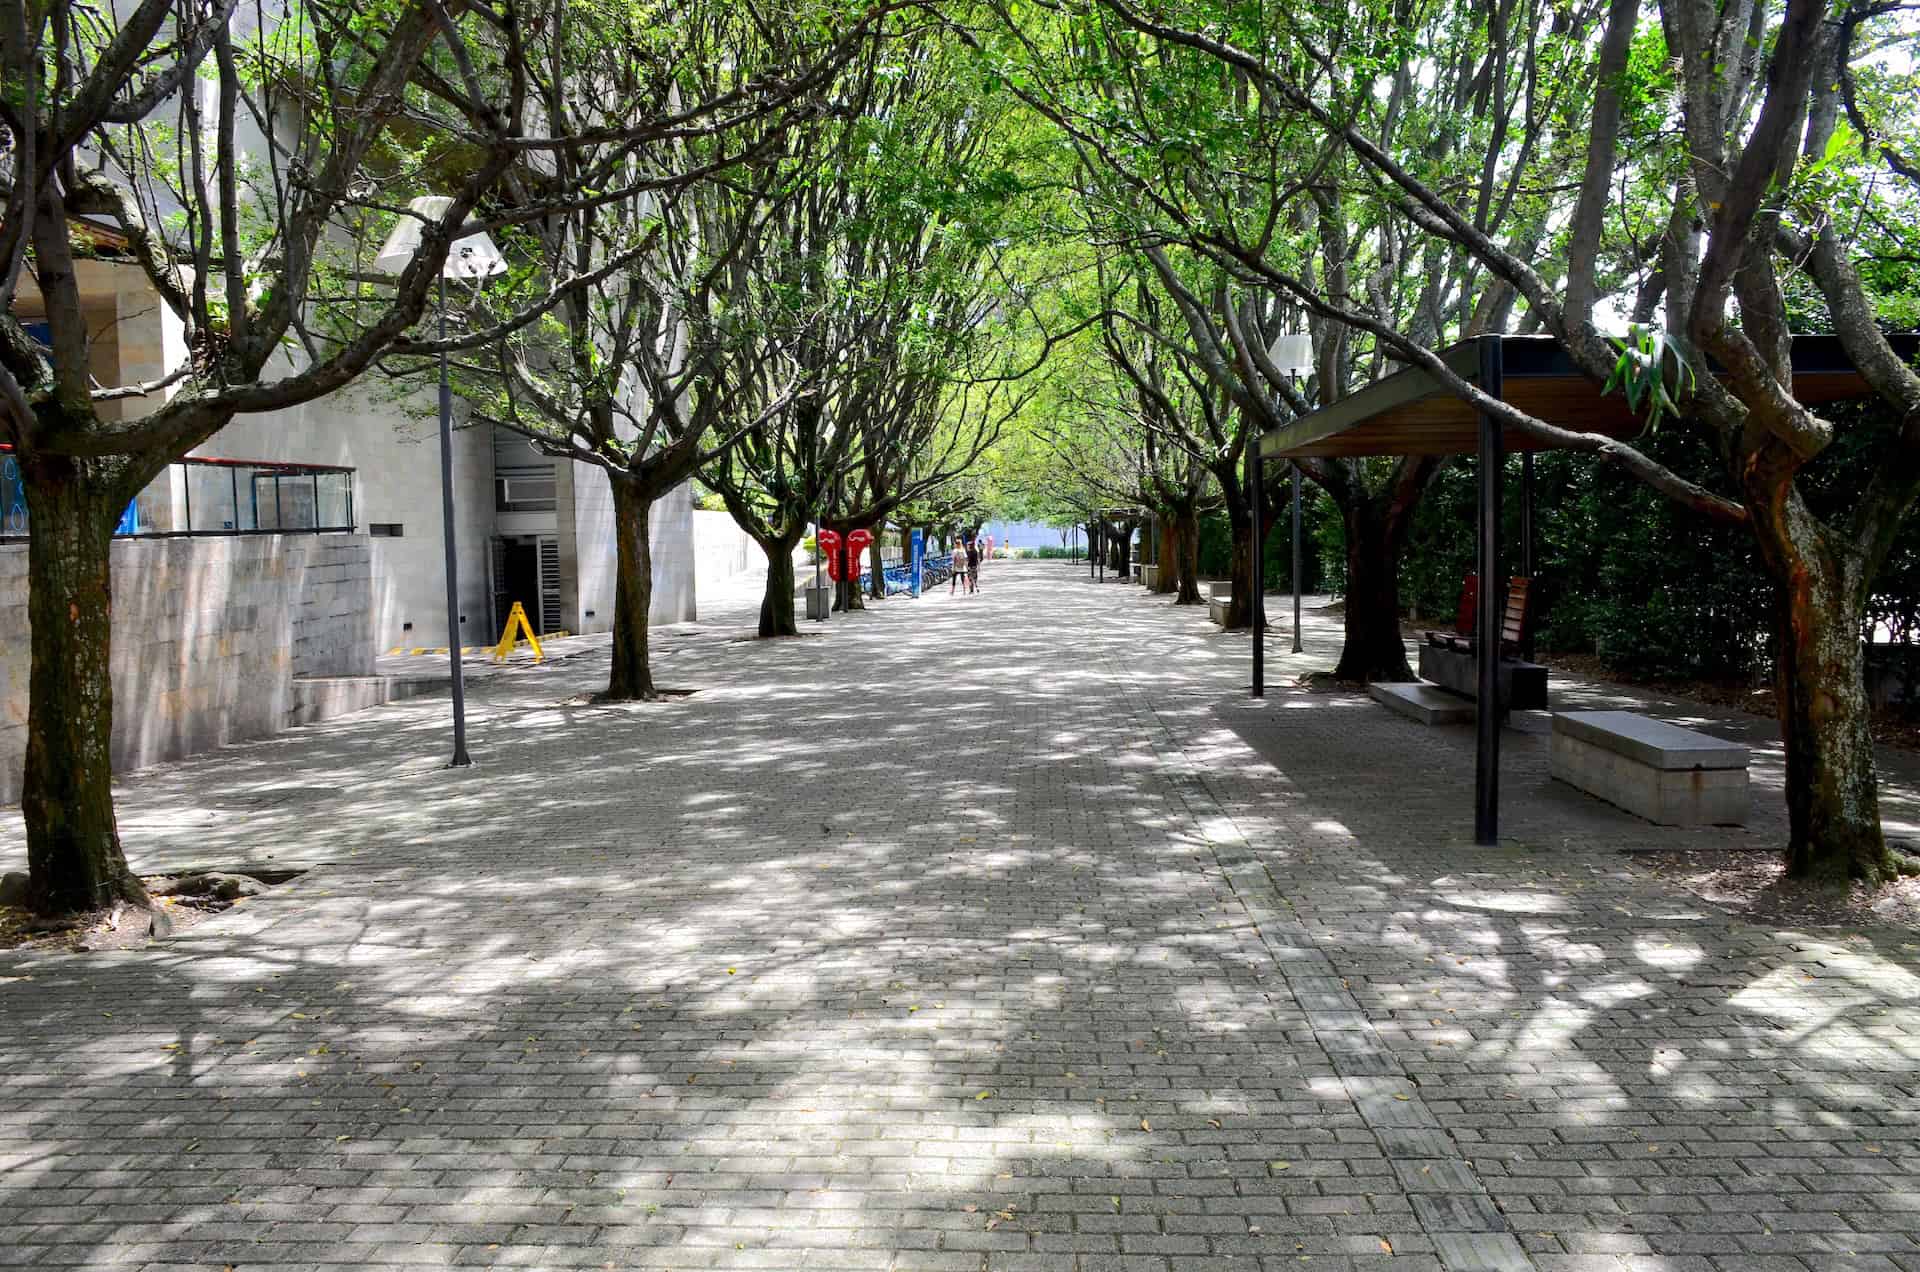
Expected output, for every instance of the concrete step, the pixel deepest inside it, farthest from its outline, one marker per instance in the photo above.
(1418, 700)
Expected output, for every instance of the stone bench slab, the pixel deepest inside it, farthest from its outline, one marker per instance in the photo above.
(1669, 775)
(1420, 701)
(1654, 743)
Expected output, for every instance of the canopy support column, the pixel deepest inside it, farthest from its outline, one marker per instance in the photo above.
(1257, 569)
(1526, 545)
(1296, 556)
(1486, 771)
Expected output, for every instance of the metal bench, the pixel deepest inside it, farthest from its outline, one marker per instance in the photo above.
(1449, 660)
(1669, 775)
(1522, 686)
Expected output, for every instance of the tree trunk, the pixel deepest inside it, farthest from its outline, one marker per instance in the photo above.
(848, 593)
(1187, 564)
(1373, 649)
(776, 607)
(631, 677)
(74, 861)
(1833, 794)
(877, 584)
(1240, 572)
(1166, 550)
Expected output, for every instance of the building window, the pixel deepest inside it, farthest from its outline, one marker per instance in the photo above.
(525, 490)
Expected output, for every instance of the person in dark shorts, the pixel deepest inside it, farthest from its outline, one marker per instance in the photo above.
(973, 565)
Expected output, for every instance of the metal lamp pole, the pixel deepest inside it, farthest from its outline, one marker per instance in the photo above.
(471, 256)
(1293, 354)
(1256, 568)
(454, 634)
(816, 573)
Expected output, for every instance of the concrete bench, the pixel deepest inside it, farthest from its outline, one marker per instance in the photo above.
(1150, 576)
(1417, 700)
(1219, 598)
(1669, 775)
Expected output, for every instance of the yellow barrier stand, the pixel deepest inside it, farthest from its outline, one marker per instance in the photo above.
(517, 625)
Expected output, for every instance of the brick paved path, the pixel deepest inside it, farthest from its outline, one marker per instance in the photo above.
(971, 934)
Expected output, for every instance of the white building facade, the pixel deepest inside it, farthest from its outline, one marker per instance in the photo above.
(257, 582)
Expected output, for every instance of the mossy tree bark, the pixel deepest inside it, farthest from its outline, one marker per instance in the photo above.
(776, 607)
(1376, 512)
(1185, 556)
(876, 566)
(631, 678)
(1240, 566)
(1166, 549)
(1373, 649)
(1833, 792)
(848, 594)
(73, 839)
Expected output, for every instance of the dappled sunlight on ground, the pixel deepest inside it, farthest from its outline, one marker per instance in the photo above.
(1068, 956)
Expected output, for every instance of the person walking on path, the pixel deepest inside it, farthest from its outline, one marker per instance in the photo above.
(973, 565)
(959, 567)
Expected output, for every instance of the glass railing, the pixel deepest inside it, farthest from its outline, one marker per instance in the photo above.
(212, 497)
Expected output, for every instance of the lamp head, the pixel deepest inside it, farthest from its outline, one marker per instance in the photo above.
(1292, 354)
(473, 256)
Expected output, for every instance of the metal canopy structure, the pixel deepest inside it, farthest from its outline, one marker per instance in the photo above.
(1411, 413)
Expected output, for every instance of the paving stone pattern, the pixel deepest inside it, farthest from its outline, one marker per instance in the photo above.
(990, 932)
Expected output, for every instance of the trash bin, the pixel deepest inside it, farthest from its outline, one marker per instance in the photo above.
(819, 603)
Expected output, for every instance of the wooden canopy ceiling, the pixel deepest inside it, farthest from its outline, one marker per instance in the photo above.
(1410, 413)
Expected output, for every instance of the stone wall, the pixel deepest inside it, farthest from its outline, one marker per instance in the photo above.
(208, 635)
(721, 549)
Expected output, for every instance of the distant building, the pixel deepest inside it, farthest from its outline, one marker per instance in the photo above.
(296, 546)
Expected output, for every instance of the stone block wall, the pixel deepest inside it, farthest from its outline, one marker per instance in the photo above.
(208, 635)
(721, 549)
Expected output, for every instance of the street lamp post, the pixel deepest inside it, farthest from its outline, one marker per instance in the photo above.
(1291, 355)
(475, 257)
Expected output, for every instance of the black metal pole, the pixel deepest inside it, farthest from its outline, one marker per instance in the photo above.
(1296, 557)
(824, 606)
(1526, 547)
(1256, 570)
(460, 757)
(1486, 771)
